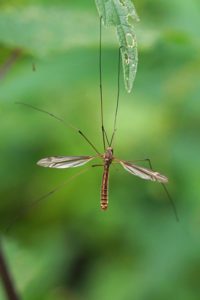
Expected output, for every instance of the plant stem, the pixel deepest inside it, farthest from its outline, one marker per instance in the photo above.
(6, 278)
(15, 54)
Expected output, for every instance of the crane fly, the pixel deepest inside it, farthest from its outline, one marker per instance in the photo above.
(64, 162)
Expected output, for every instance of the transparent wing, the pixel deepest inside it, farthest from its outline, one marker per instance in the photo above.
(62, 162)
(143, 172)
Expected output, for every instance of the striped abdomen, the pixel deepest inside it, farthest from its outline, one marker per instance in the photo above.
(104, 188)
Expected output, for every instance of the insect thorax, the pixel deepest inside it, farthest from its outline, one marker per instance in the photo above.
(108, 156)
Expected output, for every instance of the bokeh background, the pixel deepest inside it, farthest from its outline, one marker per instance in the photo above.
(65, 247)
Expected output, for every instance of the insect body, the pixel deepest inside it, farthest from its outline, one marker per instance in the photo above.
(107, 158)
(61, 162)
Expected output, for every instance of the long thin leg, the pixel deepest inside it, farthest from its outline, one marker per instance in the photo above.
(63, 122)
(100, 84)
(43, 197)
(106, 137)
(167, 193)
(163, 185)
(117, 103)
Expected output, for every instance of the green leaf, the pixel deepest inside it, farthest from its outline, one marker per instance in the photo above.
(43, 31)
(122, 14)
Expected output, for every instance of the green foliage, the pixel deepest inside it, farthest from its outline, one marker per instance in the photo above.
(41, 30)
(122, 14)
(64, 247)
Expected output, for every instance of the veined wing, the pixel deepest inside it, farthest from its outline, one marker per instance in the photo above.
(62, 162)
(143, 173)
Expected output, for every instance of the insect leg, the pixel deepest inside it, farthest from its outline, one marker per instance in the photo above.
(43, 197)
(117, 102)
(98, 165)
(63, 122)
(167, 193)
(104, 134)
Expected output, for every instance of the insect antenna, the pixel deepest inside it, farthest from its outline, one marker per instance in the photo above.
(63, 122)
(22, 212)
(172, 203)
(117, 102)
(104, 134)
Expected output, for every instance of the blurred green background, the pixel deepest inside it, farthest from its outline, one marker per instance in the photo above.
(65, 247)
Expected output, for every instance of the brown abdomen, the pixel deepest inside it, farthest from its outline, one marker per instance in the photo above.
(104, 189)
